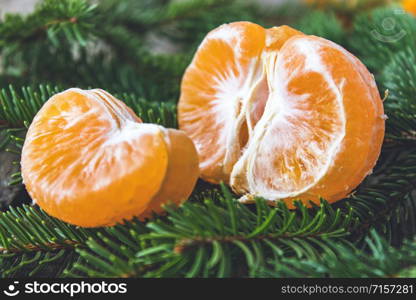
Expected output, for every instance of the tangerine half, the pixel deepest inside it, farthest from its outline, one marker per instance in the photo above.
(280, 114)
(90, 161)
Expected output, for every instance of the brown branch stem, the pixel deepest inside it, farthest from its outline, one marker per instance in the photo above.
(67, 244)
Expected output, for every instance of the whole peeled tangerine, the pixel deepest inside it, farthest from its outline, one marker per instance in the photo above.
(90, 161)
(280, 114)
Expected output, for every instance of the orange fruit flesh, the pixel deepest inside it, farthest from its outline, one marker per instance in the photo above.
(301, 119)
(298, 155)
(210, 89)
(181, 175)
(88, 160)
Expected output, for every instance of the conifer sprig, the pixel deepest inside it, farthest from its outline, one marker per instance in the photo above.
(72, 18)
(381, 260)
(211, 235)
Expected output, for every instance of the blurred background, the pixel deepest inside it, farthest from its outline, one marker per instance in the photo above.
(118, 41)
(28, 5)
(25, 6)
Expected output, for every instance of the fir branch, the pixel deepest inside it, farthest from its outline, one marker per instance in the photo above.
(388, 204)
(400, 129)
(39, 264)
(185, 25)
(29, 235)
(71, 17)
(210, 235)
(206, 239)
(322, 24)
(30, 240)
(26, 229)
(381, 260)
(399, 78)
(18, 108)
(378, 35)
(224, 214)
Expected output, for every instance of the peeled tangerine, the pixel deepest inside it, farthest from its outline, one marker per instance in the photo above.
(90, 161)
(280, 114)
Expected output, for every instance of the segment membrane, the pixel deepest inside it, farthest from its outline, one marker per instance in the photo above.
(214, 90)
(302, 126)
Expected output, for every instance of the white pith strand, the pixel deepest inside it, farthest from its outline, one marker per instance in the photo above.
(244, 101)
(234, 84)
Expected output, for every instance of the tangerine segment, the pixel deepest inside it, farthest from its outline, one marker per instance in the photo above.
(224, 91)
(88, 160)
(181, 175)
(221, 75)
(313, 139)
